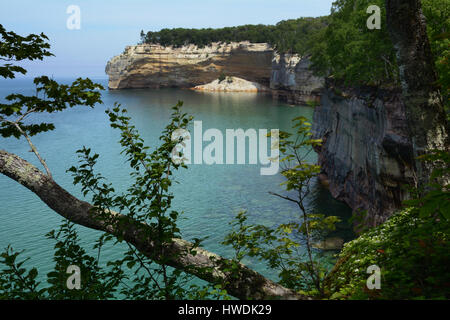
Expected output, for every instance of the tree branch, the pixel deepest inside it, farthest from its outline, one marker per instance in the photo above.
(283, 197)
(203, 264)
(34, 150)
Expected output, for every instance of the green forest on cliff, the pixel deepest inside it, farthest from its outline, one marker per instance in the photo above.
(286, 36)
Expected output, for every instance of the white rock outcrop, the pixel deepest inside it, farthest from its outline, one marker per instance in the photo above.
(231, 84)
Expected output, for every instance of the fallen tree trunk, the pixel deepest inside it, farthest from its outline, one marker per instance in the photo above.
(205, 265)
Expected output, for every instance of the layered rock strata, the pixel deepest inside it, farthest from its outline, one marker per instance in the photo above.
(366, 156)
(155, 66)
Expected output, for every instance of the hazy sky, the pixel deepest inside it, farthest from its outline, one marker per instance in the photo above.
(107, 26)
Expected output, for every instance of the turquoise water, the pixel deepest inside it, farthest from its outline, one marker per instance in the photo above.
(209, 196)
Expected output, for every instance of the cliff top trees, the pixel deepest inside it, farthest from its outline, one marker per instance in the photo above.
(347, 50)
(286, 36)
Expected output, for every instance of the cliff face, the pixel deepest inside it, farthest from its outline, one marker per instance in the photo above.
(292, 81)
(365, 154)
(155, 66)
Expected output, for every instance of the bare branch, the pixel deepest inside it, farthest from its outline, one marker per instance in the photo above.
(283, 197)
(24, 115)
(34, 150)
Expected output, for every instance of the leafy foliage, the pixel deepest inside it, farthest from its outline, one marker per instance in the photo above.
(348, 51)
(412, 252)
(412, 248)
(281, 247)
(15, 281)
(434, 198)
(97, 283)
(286, 36)
(50, 96)
(437, 13)
(14, 47)
(148, 200)
(222, 77)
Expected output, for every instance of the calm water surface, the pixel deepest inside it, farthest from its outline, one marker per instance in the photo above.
(209, 196)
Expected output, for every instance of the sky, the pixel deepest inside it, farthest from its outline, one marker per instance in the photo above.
(107, 26)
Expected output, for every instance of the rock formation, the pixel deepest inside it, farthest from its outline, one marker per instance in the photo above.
(155, 66)
(231, 84)
(365, 155)
(292, 81)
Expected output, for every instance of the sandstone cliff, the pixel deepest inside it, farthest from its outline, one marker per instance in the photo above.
(365, 154)
(155, 66)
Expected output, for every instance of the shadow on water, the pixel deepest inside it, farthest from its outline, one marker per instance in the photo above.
(321, 202)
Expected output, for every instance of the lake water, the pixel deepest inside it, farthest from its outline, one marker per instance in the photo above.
(209, 196)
